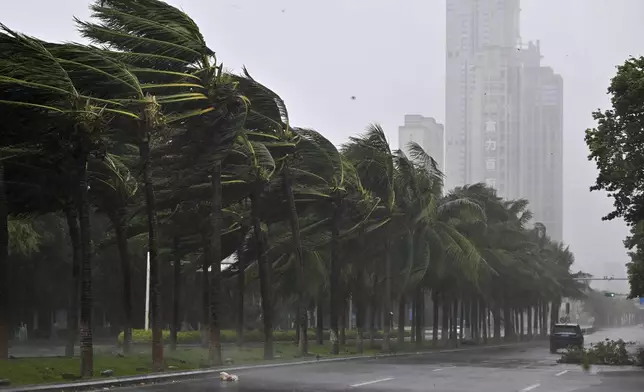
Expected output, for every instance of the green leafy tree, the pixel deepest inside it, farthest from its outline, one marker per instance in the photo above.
(616, 146)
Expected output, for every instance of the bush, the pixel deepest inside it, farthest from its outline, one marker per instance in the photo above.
(140, 336)
(639, 357)
(608, 352)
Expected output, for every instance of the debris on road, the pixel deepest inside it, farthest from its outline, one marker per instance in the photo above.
(223, 376)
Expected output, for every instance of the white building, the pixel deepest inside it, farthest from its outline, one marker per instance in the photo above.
(504, 110)
(541, 141)
(482, 36)
(427, 133)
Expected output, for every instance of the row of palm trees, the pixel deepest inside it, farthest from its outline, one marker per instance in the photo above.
(147, 116)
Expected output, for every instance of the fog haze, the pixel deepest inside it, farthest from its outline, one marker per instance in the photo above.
(390, 56)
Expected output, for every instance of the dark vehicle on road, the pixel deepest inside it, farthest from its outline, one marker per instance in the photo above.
(566, 335)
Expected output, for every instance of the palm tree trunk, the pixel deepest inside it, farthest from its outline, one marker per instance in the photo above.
(477, 310)
(373, 312)
(120, 228)
(488, 316)
(206, 263)
(445, 333)
(176, 298)
(508, 325)
(155, 273)
(402, 307)
(216, 226)
(334, 279)
(4, 270)
(86, 342)
(319, 332)
(343, 321)
(298, 325)
(303, 339)
(423, 313)
(419, 317)
(414, 316)
(537, 319)
(303, 348)
(529, 316)
(264, 277)
(484, 321)
(386, 344)
(542, 319)
(475, 319)
(360, 321)
(435, 315)
(71, 213)
(496, 314)
(455, 322)
(241, 292)
(544, 322)
(535, 326)
(462, 320)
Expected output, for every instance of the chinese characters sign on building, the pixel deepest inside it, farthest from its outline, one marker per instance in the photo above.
(490, 146)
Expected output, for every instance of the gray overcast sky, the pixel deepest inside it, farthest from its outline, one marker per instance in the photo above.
(390, 55)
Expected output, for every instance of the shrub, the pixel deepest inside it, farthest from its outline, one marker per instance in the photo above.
(140, 336)
(639, 357)
(608, 352)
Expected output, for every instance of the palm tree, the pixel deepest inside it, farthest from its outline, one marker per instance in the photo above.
(428, 224)
(268, 114)
(113, 190)
(59, 79)
(256, 171)
(165, 49)
(374, 161)
(327, 183)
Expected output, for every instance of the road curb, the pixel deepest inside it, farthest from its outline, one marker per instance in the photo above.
(194, 374)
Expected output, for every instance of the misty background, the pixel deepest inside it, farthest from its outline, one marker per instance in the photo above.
(390, 56)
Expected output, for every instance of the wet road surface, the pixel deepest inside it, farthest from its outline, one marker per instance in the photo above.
(519, 368)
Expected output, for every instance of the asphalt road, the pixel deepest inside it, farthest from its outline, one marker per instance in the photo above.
(519, 368)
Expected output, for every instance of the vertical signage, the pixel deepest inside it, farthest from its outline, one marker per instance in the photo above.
(490, 153)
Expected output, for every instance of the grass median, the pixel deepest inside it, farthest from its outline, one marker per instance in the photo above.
(23, 371)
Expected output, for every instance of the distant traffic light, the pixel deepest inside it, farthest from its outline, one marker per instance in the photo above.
(609, 294)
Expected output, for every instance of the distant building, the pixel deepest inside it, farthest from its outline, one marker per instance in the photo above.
(504, 110)
(541, 141)
(427, 133)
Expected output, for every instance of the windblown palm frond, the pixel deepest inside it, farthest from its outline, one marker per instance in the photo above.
(148, 34)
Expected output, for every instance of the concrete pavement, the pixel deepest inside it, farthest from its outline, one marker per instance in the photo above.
(511, 368)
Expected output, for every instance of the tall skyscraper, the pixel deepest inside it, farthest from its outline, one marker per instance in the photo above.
(504, 110)
(427, 133)
(482, 36)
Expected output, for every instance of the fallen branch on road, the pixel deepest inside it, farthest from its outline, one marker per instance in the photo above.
(608, 352)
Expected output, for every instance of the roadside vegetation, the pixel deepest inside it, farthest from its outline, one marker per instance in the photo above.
(608, 352)
(112, 363)
(615, 147)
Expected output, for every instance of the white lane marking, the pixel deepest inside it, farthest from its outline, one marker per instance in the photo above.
(562, 373)
(436, 370)
(371, 382)
(447, 367)
(531, 387)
